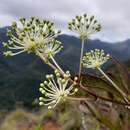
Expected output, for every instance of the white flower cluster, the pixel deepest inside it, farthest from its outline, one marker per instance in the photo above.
(84, 25)
(33, 36)
(54, 92)
(51, 48)
(95, 58)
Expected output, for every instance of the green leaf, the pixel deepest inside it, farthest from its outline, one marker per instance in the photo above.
(123, 75)
(99, 85)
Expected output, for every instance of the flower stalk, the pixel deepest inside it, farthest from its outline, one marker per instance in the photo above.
(81, 56)
(84, 26)
(114, 85)
(56, 64)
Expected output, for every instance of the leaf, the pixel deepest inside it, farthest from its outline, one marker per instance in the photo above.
(123, 75)
(99, 85)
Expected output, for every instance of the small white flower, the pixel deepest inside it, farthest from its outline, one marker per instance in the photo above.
(31, 36)
(54, 92)
(51, 48)
(95, 59)
(84, 25)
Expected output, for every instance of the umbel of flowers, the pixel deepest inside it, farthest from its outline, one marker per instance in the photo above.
(94, 60)
(56, 91)
(33, 36)
(84, 26)
(38, 37)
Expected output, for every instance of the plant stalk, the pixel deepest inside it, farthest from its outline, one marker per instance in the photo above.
(115, 86)
(57, 66)
(81, 56)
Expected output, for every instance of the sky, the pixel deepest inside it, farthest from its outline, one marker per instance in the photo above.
(113, 15)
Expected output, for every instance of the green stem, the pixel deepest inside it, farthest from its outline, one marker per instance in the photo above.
(81, 56)
(51, 65)
(44, 60)
(56, 64)
(116, 87)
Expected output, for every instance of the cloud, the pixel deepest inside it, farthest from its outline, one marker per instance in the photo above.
(113, 14)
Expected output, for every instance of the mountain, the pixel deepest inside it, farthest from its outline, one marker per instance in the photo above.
(115, 49)
(21, 75)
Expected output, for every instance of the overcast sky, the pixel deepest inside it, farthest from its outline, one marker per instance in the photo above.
(114, 15)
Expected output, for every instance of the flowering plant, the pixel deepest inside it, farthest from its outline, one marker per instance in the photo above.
(38, 37)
